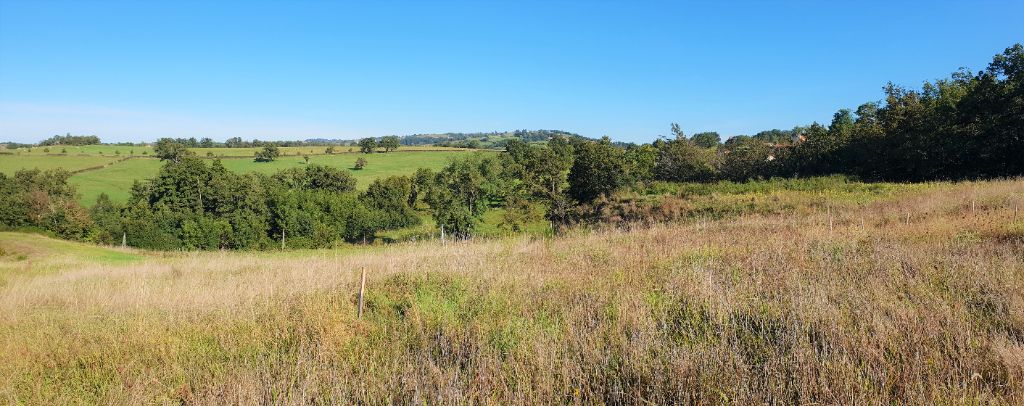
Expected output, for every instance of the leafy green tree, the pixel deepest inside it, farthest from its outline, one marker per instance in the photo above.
(598, 168)
(42, 199)
(390, 197)
(709, 139)
(750, 158)
(462, 191)
(107, 218)
(168, 149)
(421, 182)
(268, 154)
(317, 177)
(642, 161)
(234, 142)
(360, 163)
(680, 160)
(367, 145)
(390, 143)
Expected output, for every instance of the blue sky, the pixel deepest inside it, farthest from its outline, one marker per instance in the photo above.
(136, 71)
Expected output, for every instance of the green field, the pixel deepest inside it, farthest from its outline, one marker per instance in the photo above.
(116, 179)
(128, 150)
(12, 163)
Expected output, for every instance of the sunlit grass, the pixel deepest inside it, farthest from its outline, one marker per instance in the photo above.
(850, 304)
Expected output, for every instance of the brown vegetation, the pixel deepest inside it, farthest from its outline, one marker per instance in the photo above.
(849, 302)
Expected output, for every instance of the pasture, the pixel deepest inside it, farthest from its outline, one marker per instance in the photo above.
(220, 152)
(862, 295)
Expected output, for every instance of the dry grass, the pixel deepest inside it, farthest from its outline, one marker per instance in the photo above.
(755, 309)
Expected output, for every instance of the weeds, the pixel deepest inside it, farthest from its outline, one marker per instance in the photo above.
(758, 307)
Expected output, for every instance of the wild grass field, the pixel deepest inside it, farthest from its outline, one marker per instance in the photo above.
(117, 177)
(908, 295)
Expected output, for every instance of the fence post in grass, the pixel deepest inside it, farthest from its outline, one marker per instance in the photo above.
(362, 290)
(282, 238)
(908, 218)
(830, 219)
(124, 240)
(442, 233)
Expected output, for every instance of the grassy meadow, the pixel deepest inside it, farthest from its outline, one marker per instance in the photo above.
(129, 150)
(13, 163)
(114, 175)
(889, 294)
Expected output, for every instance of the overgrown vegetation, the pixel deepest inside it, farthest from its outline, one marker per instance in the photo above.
(843, 302)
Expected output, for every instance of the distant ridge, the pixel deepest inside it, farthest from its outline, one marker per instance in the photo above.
(474, 139)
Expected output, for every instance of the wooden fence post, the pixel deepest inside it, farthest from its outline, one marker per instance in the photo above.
(124, 240)
(362, 289)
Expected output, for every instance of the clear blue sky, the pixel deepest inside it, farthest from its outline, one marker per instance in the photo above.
(134, 71)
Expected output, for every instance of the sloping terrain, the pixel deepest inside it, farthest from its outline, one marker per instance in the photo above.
(917, 297)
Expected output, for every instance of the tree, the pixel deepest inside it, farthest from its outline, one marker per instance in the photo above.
(421, 183)
(390, 143)
(234, 142)
(206, 142)
(598, 168)
(107, 218)
(329, 150)
(360, 163)
(679, 160)
(749, 158)
(168, 149)
(390, 198)
(317, 177)
(709, 139)
(267, 154)
(45, 200)
(642, 161)
(462, 191)
(367, 145)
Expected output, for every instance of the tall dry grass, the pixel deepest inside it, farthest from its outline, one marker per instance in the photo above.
(785, 308)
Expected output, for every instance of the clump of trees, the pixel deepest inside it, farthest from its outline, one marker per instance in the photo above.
(192, 204)
(69, 139)
(42, 200)
(389, 143)
(968, 126)
(269, 153)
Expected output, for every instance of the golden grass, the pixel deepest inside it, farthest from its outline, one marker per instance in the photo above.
(780, 308)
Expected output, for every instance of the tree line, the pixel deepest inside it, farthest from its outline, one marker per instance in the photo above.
(69, 139)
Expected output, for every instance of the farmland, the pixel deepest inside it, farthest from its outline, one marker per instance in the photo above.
(114, 175)
(805, 294)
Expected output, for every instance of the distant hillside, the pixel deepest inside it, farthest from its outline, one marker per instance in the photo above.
(493, 139)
